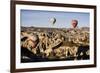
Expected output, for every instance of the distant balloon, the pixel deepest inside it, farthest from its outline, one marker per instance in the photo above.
(74, 23)
(53, 20)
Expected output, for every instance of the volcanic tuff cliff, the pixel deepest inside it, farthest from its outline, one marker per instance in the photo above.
(57, 43)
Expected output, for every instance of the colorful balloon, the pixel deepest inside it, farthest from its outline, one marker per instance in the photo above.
(74, 23)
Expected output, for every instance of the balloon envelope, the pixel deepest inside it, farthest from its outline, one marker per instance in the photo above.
(74, 23)
(53, 20)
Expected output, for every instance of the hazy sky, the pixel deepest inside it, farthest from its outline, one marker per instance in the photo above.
(38, 18)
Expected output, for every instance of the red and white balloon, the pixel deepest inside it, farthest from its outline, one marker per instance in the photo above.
(74, 23)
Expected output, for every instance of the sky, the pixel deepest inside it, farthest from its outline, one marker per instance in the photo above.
(37, 18)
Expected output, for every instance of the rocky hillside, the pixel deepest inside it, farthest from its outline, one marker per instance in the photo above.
(54, 43)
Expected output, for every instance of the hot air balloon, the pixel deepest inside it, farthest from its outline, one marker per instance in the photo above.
(74, 23)
(53, 20)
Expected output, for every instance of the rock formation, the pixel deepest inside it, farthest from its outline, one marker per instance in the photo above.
(54, 43)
